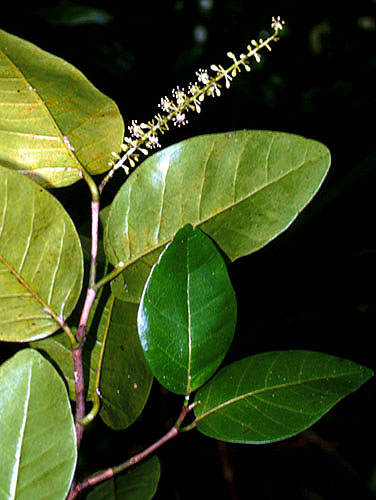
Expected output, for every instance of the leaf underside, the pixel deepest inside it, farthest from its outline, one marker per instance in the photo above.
(53, 121)
(41, 263)
(242, 189)
(37, 434)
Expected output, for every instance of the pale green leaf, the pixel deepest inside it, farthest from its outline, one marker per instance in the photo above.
(53, 121)
(37, 434)
(242, 188)
(41, 263)
(57, 348)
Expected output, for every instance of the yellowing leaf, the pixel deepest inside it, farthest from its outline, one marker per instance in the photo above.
(41, 263)
(53, 121)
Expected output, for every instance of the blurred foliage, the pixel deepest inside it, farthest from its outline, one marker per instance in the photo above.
(315, 284)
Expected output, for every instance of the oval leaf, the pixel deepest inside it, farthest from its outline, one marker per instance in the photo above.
(53, 121)
(41, 263)
(242, 189)
(187, 315)
(37, 434)
(274, 395)
(138, 483)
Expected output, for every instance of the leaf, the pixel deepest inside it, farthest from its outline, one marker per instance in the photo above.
(242, 189)
(137, 483)
(41, 264)
(274, 395)
(128, 286)
(126, 378)
(57, 349)
(187, 315)
(37, 435)
(53, 121)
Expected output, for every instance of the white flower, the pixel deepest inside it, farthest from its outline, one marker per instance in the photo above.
(202, 76)
(180, 119)
(166, 105)
(277, 23)
(153, 142)
(179, 95)
(136, 130)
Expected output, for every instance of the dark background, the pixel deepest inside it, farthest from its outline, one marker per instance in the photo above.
(314, 286)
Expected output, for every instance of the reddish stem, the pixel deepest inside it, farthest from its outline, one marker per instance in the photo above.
(78, 370)
(112, 471)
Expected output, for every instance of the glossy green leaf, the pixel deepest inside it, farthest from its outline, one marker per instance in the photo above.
(187, 314)
(41, 264)
(138, 483)
(274, 395)
(242, 189)
(53, 121)
(37, 435)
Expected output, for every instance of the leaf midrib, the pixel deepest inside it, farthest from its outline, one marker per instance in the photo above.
(271, 388)
(19, 278)
(44, 106)
(16, 467)
(140, 255)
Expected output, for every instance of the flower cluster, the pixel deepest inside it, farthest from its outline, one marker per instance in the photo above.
(144, 136)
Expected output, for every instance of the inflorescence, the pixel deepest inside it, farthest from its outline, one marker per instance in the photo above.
(144, 136)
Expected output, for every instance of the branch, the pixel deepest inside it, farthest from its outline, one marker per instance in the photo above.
(81, 331)
(112, 471)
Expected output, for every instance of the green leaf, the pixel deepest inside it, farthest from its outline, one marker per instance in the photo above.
(53, 121)
(57, 349)
(37, 435)
(41, 263)
(242, 189)
(137, 483)
(274, 395)
(126, 378)
(187, 315)
(128, 286)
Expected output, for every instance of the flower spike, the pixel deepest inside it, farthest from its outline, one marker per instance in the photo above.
(277, 23)
(174, 109)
